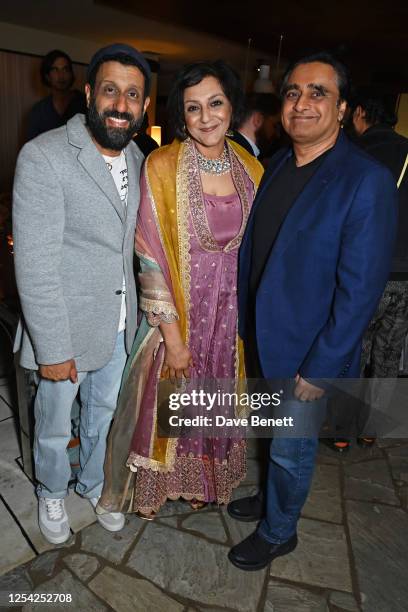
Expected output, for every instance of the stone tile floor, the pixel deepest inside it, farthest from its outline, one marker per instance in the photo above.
(21, 540)
(352, 553)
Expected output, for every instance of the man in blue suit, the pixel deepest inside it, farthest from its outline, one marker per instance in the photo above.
(313, 264)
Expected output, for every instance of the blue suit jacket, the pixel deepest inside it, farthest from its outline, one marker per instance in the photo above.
(327, 268)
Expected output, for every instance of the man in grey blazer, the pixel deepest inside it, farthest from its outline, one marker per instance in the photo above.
(76, 196)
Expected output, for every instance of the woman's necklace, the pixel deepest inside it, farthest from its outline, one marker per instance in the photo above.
(219, 165)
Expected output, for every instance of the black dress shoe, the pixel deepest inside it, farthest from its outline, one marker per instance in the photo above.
(255, 553)
(246, 509)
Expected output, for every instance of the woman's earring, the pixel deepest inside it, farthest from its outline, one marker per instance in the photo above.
(229, 133)
(184, 131)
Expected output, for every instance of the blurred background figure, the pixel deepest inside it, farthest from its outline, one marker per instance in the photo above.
(145, 142)
(374, 118)
(63, 102)
(371, 124)
(260, 125)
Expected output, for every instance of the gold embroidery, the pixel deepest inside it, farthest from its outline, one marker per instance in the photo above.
(157, 307)
(183, 212)
(197, 208)
(237, 174)
(186, 480)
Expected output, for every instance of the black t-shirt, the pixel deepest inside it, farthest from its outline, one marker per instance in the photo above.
(277, 200)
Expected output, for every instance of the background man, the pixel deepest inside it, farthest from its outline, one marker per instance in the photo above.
(63, 102)
(374, 123)
(314, 261)
(76, 196)
(373, 119)
(145, 142)
(259, 125)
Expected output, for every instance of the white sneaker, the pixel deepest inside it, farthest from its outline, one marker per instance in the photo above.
(112, 521)
(53, 520)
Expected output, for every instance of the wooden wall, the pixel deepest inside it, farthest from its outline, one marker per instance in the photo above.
(20, 88)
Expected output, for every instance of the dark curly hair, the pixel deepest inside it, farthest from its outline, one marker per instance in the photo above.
(191, 75)
(48, 61)
(378, 108)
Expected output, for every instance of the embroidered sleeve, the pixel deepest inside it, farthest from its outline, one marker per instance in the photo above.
(155, 298)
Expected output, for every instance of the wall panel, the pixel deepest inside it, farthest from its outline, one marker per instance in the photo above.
(20, 88)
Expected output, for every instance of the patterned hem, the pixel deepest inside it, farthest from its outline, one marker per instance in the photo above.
(198, 478)
(136, 462)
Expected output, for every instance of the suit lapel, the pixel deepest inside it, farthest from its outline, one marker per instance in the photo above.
(315, 190)
(94, 164)
(302, 208)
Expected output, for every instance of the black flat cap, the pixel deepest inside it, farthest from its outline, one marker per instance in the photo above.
(104, 54)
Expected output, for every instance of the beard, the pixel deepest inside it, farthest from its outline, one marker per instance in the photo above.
(112, 138)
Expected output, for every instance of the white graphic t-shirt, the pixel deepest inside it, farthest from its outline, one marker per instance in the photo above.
(118, 168)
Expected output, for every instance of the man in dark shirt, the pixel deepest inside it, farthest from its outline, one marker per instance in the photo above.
(374, 121)
(314, 261)
(63, 102)
(145, 142)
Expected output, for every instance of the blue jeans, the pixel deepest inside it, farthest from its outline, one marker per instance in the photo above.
(290, 471)
(98, 392)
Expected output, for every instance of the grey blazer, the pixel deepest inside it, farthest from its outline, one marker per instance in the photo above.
(73, 240)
